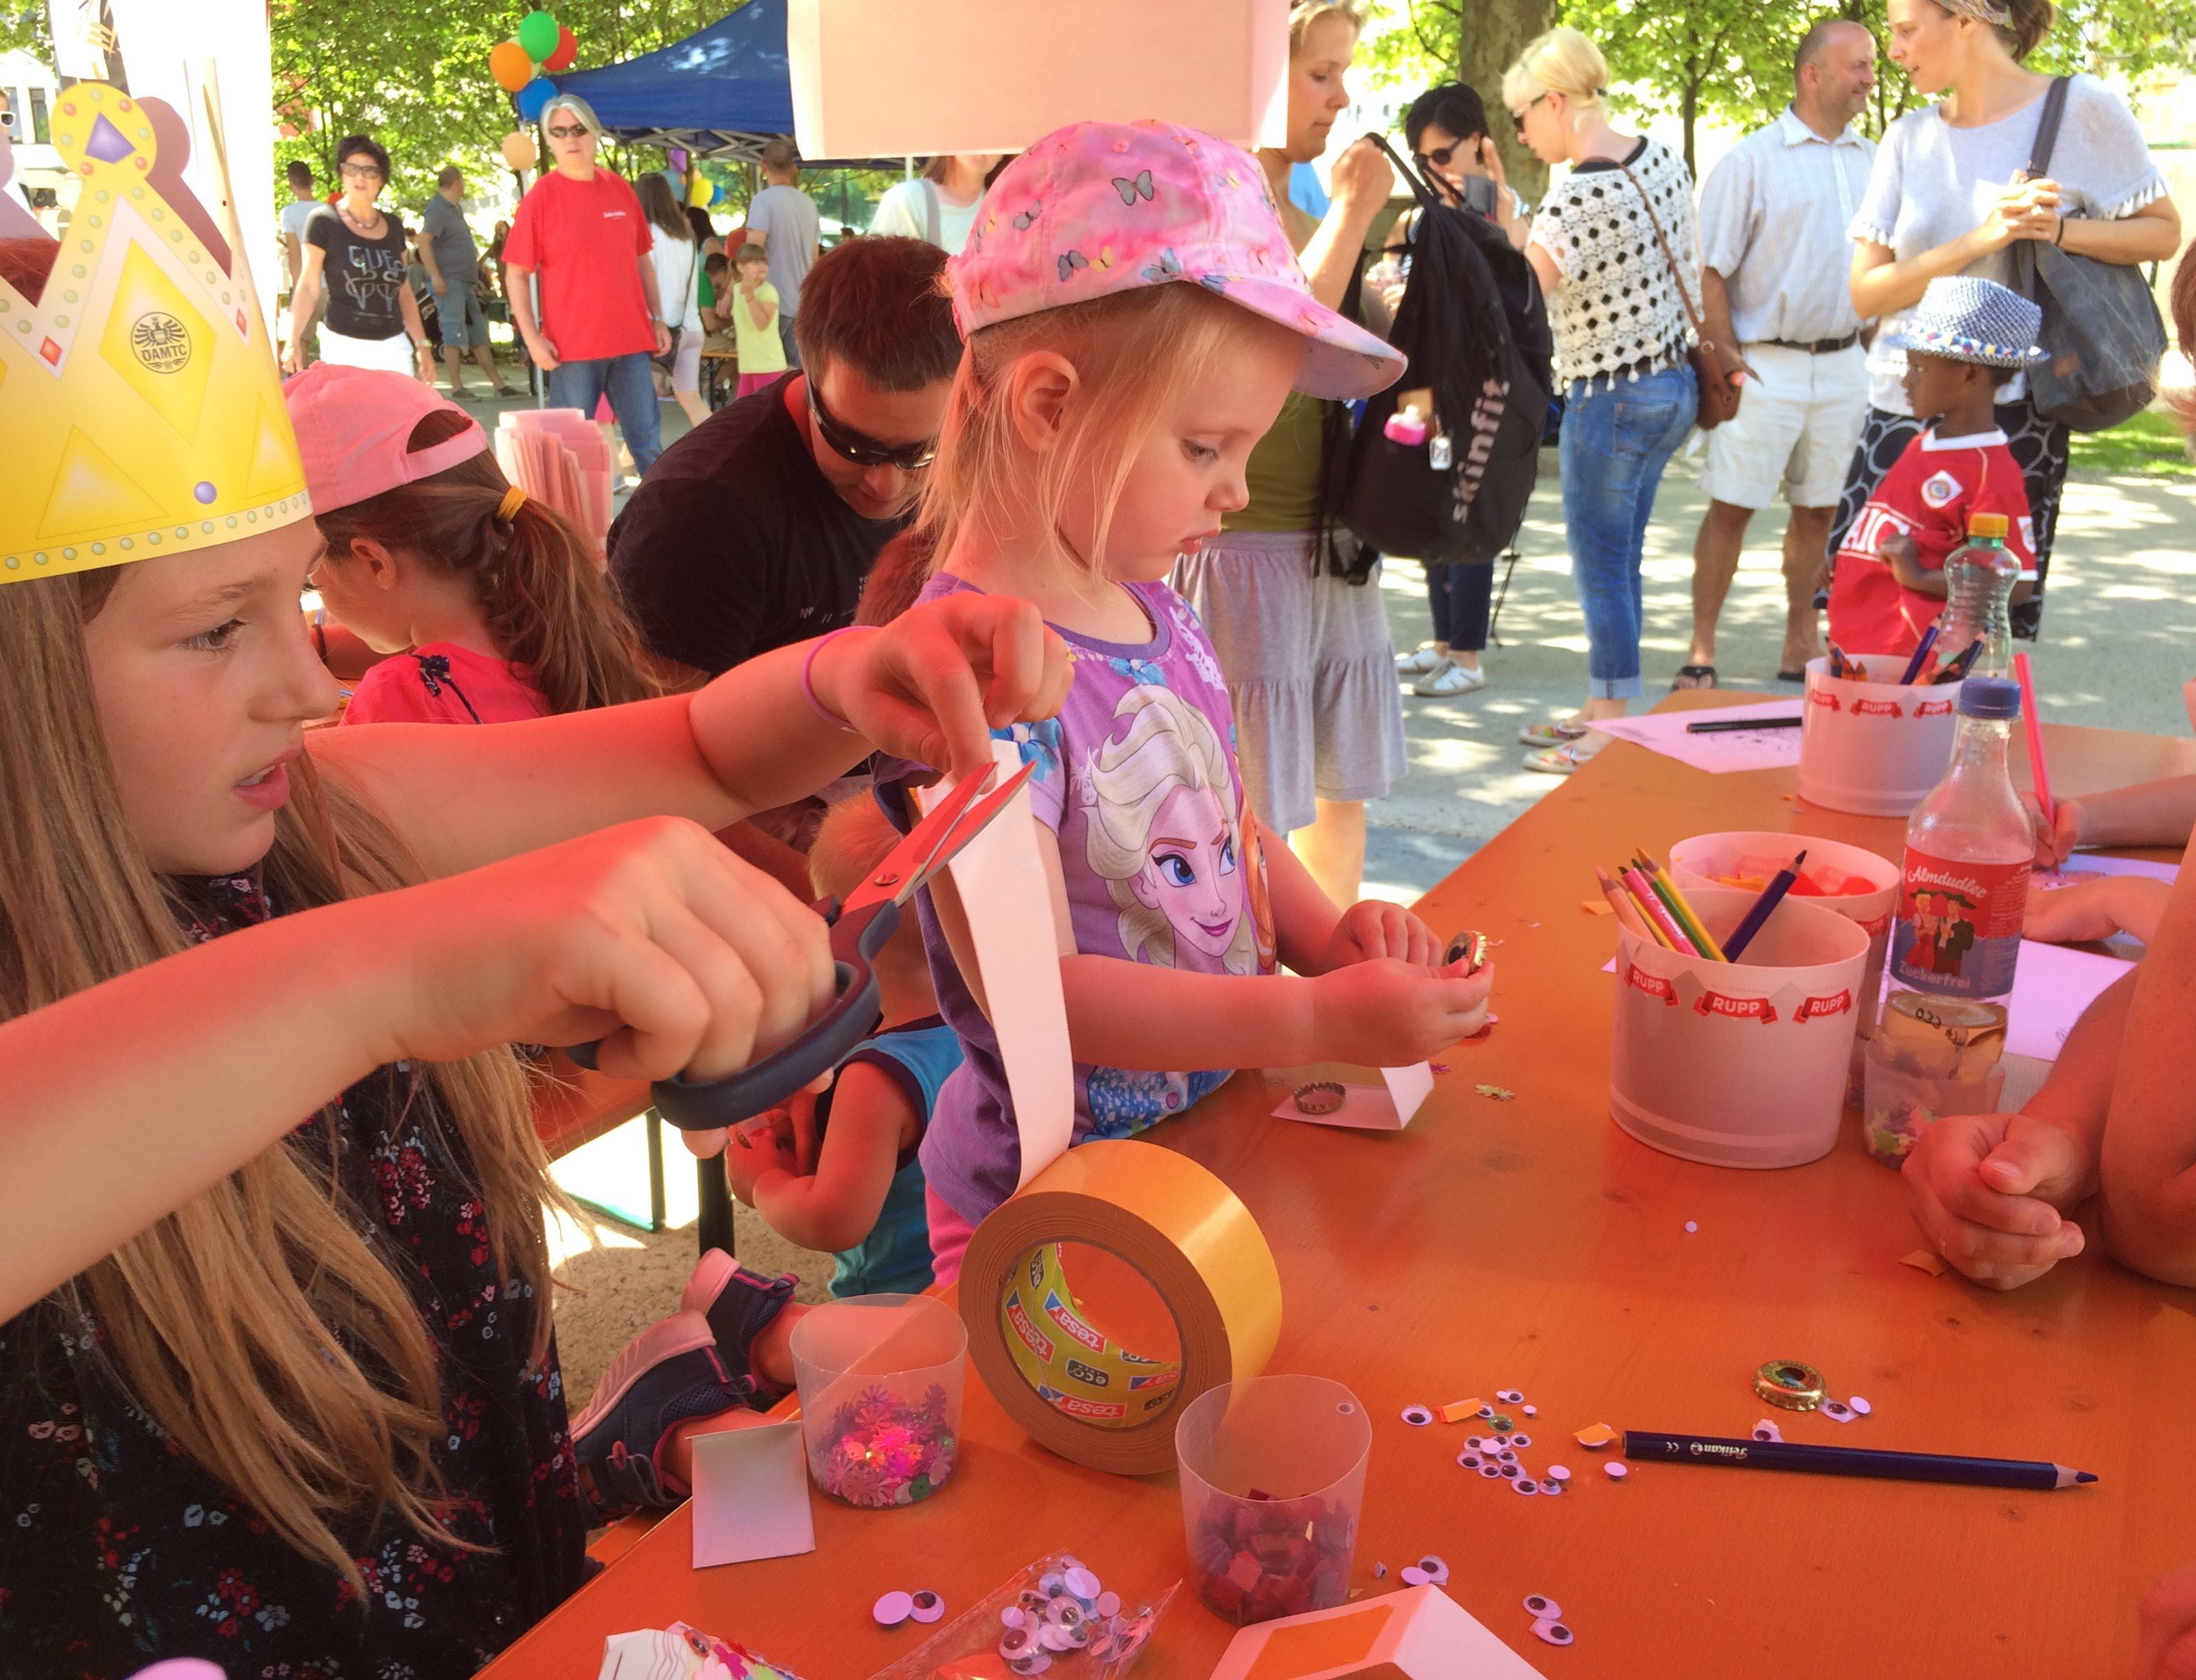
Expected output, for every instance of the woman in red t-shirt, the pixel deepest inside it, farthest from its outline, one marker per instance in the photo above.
(491, 605)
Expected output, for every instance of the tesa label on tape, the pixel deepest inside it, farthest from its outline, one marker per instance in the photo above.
(1078, 1371)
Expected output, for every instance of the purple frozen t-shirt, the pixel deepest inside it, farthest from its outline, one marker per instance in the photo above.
(1136, 778)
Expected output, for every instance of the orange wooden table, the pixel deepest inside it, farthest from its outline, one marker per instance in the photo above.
(1531, 1244)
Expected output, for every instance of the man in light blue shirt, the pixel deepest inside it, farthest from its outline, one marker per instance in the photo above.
(1774, 254)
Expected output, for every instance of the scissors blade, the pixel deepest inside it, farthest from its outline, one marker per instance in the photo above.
(933, 843)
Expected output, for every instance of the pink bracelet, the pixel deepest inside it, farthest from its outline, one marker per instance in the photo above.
(808, 675)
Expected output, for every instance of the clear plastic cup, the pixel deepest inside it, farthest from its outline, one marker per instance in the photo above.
(880, 1378)
(1272, 1479)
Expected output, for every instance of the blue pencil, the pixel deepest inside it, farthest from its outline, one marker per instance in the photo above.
(1757, 1455)
(1771, 896)
(1921, 654)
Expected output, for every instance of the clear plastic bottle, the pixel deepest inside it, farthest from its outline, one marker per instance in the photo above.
(1980, 576)
(1968, 848)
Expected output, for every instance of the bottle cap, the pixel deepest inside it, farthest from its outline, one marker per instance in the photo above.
(1988, 525)
(1993, 697)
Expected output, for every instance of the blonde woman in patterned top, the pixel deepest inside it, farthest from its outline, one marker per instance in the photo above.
(1621, 330)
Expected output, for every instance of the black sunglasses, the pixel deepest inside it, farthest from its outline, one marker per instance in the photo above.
(1517, 117)
(1439, 159)
(862, 449)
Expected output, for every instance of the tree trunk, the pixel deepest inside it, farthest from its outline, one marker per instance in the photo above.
(1493, 33)
(1691, 110)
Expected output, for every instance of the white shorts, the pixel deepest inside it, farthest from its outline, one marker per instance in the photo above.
(686, 368)
(1795, 429)
(392, 354)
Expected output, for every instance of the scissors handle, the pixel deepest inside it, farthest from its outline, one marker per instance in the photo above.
(702, 1105)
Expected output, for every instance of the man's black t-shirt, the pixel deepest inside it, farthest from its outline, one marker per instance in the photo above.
(735, 543)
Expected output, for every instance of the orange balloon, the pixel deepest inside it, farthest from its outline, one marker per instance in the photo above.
(511, 67)
(518, 150)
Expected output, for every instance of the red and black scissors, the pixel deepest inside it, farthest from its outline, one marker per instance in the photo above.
(859, 930)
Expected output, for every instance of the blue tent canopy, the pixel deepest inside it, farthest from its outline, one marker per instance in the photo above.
(719, 93)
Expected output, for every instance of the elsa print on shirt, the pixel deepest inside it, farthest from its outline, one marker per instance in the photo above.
(1161, 833)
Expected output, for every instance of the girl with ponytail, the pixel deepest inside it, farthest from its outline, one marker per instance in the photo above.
(491, 603)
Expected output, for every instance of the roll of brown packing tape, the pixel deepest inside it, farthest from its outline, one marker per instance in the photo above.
(1060, 1378)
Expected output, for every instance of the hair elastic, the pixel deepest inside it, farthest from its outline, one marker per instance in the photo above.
(507, 510)
(808, 675)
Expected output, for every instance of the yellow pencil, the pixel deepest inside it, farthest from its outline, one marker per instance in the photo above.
(1688, 918)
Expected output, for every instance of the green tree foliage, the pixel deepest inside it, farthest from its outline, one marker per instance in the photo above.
(414, 73)
(1730, 60)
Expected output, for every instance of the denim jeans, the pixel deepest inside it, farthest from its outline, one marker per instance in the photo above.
(624, 379)
(1460, 597)
(785, 338)
(1616, 440)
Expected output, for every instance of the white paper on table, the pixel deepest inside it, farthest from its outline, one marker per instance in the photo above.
(2083, 864)
(1385, 1107)
(751, 1495)
(1008, 903)
(2051, 987)
(1720, 751)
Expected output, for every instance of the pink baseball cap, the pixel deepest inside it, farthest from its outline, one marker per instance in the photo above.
(352, 424)
(1097, 207)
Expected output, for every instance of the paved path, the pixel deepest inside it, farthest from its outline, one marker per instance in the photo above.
(2119, 639)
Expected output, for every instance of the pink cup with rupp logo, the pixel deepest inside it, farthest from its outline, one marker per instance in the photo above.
(1738, 1064)
(1873, 747)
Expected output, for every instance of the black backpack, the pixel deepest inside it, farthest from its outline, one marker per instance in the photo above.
(1474, 330)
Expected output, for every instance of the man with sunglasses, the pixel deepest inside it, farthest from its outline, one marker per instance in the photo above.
(758, 528)
(582, 229)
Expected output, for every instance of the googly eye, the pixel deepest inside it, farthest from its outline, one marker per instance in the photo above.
(1541, 1606)
(1554, 1632)
(1418, 1416)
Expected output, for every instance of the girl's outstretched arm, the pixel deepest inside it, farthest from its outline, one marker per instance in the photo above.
(121, 1102)
(1372, 1010)
(928, 687)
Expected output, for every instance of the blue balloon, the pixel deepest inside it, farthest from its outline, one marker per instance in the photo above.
(534, 96)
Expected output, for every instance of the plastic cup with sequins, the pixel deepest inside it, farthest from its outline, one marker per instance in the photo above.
(881, 1378)
(1272, 1480)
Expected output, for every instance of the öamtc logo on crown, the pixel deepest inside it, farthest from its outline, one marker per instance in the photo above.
(140, 408)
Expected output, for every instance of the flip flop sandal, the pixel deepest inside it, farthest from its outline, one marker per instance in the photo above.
(1558, 761)
(1559, 733)
(1693, 677)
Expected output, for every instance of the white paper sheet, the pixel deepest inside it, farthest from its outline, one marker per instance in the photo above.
(751, 1495)
(1720, 751)
(1009, 905)
(1385, 1107)
(2083, 864)
(2051, 988)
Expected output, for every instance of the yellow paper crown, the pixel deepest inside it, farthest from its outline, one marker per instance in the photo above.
(140, 411)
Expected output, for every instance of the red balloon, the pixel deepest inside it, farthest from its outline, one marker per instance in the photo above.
(568, 49)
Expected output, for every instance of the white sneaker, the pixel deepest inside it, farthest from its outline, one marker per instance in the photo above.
(1420, 663)
(1451, 679)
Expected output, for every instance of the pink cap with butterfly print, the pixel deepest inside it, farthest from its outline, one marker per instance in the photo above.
(1098, 208)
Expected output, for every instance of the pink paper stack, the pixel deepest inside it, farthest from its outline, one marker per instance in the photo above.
(560, 457)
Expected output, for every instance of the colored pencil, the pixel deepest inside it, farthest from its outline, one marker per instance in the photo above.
(1921, 654)
(1837, 661)
(1957, 669)
(1620, 901)
(1757, 913)
(1729, 725)
(1651, 906)
(1651, 1447)
(1688, 917)
(2038, 772)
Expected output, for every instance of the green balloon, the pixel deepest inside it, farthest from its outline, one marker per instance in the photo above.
(537, 33)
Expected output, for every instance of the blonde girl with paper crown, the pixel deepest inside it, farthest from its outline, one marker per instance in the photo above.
(488, 606)
(1135, 316)
(280, 1386)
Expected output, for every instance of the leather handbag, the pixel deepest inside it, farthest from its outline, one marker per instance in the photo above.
(1719, 397)
(2100, 322)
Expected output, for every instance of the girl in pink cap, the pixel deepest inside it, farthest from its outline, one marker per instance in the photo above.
(486, 606)
(1135, 316)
